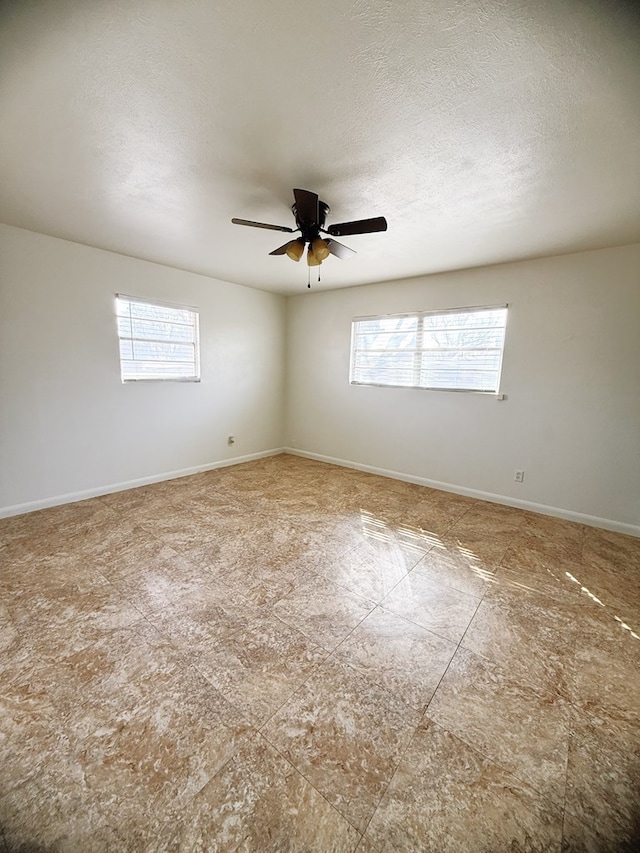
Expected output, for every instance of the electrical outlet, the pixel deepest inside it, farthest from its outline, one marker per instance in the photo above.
(519, 477)
(231, 440)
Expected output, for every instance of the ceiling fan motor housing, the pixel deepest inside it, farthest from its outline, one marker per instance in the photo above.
(311, 229)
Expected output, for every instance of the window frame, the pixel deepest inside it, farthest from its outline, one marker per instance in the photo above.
(420, 315)
(196, 376)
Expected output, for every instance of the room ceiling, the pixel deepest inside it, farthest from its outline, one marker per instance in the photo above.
(485, 131)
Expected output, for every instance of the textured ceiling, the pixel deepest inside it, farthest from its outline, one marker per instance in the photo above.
(484, 130)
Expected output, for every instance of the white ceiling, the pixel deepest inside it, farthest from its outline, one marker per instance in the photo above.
(484, 130)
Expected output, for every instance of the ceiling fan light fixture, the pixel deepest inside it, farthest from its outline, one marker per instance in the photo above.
(312, 260)
(295, 250)
(320, 249)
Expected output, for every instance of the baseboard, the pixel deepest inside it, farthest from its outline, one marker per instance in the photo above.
(543, 509)
(72, 497)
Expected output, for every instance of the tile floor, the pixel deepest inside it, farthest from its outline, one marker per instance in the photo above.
(290, 656)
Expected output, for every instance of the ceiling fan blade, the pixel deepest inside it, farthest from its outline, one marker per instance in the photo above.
(306, 205)
(360, 226)
(262, 225)
(281, 250)
(339, 250)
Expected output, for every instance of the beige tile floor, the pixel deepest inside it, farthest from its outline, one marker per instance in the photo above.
(289, 656)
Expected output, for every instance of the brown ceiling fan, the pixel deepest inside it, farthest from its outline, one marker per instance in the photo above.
(310, 214)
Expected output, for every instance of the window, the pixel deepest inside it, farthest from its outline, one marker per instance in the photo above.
(157, 341)
(457, 350)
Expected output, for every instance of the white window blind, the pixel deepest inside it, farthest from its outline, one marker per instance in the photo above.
(457, 350)
(157, 341)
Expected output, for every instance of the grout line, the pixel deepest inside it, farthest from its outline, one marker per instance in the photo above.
(391, 778)
(475, 747)
(498, 763)
(458, 647)
(312, 672)
(310, 783)
(566, 772)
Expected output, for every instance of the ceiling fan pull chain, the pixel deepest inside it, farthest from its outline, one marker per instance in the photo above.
(318, 275)
(309, 277)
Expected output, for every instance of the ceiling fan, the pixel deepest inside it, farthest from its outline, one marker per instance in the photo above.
(310, 214)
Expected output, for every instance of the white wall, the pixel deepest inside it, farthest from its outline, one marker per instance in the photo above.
(68, 424)
(571, 374)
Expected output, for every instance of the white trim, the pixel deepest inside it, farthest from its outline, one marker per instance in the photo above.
(72, 497)
(144, 300)
(542, 509)
(133, 361)
(385, 374)
(462, 310)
